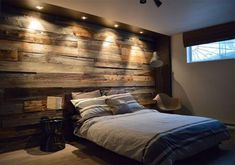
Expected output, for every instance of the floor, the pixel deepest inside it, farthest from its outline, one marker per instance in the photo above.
(86, 153)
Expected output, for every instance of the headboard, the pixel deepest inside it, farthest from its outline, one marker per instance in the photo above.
(68, 111)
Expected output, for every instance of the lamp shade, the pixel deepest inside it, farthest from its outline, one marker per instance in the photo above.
(54, 102)
(155, 61)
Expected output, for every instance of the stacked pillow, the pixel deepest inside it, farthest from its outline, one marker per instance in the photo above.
(92, 104)
(92, 107)
(123, 103)
(80, 95)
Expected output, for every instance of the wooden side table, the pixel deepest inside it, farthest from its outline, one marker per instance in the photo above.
(53, 138)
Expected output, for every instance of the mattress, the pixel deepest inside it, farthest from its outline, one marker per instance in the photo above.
(152, 137)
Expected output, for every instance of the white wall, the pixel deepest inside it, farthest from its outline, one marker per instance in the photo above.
(205, 89)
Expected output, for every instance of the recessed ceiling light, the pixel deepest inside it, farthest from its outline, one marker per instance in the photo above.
(39, 7)
(141, 32)
(84, 17)
(143, 1)
(116, 25)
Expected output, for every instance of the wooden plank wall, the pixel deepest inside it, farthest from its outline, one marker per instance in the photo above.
(43, 55)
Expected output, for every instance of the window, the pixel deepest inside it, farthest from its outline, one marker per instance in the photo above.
(213, 51)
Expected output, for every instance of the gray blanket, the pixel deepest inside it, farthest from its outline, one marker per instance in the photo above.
(152, 137)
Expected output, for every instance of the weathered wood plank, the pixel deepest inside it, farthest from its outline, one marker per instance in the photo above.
(121, 65)
(8, 54)
(34, 37)
(75, 81)
(2, 92)
(8, 33)
(81, 31)
(6, 133)
(39, 48)
(35, 105)
(11, 108)
(33, 57)
(26, 118)
(23, 94)
(75, 28)
(60, 59)
(127, 55)
(27, 19)
(55, 59)
(133, 57)
(60, 68)
(76, 77)
(128, 39)
(42, 68)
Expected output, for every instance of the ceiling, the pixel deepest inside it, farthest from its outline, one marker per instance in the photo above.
(174, 16)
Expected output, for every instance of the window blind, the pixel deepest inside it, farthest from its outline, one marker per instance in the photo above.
(210, 34)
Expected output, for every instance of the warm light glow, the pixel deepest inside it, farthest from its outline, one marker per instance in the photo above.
(84, 17)
(39, 7)
(135, 50)
(116, 25)
(108, 41)
(141, 32)
(134, 40)
(34, 24)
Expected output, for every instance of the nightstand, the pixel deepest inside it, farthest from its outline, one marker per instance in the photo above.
(53, 138)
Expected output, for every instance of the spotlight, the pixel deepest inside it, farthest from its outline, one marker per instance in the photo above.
(39, 7)
(158, 3)
(143, 1)
(141, 32)
(116, 25)
(84, 17)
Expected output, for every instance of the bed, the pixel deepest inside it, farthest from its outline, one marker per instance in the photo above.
(152, 137)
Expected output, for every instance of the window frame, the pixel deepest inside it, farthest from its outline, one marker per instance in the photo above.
(189, 56)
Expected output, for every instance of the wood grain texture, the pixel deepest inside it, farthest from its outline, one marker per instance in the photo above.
(8, 54)
(19, 131)
(10, 108)
(25, 119)
(35, 105)
(59, 56)
(71, 80)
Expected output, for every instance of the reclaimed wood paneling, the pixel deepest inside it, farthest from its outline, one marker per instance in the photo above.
(9, 121)
(72, 80)
(43, 55)
(8, 55)
(10, 33)
(35, 105)
(9, 108)
(129, 55)
(19, 131)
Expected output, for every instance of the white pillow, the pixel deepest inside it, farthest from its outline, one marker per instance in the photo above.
(83, 103)
(92, 107)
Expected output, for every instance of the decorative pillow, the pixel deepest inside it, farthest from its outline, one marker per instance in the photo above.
(123, 103)
(92, 107)
(83, 95)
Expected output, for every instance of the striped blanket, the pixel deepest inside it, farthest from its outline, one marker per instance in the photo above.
(152, 137)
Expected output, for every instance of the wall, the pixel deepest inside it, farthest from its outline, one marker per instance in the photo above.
(42, 55)
(206, 89)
